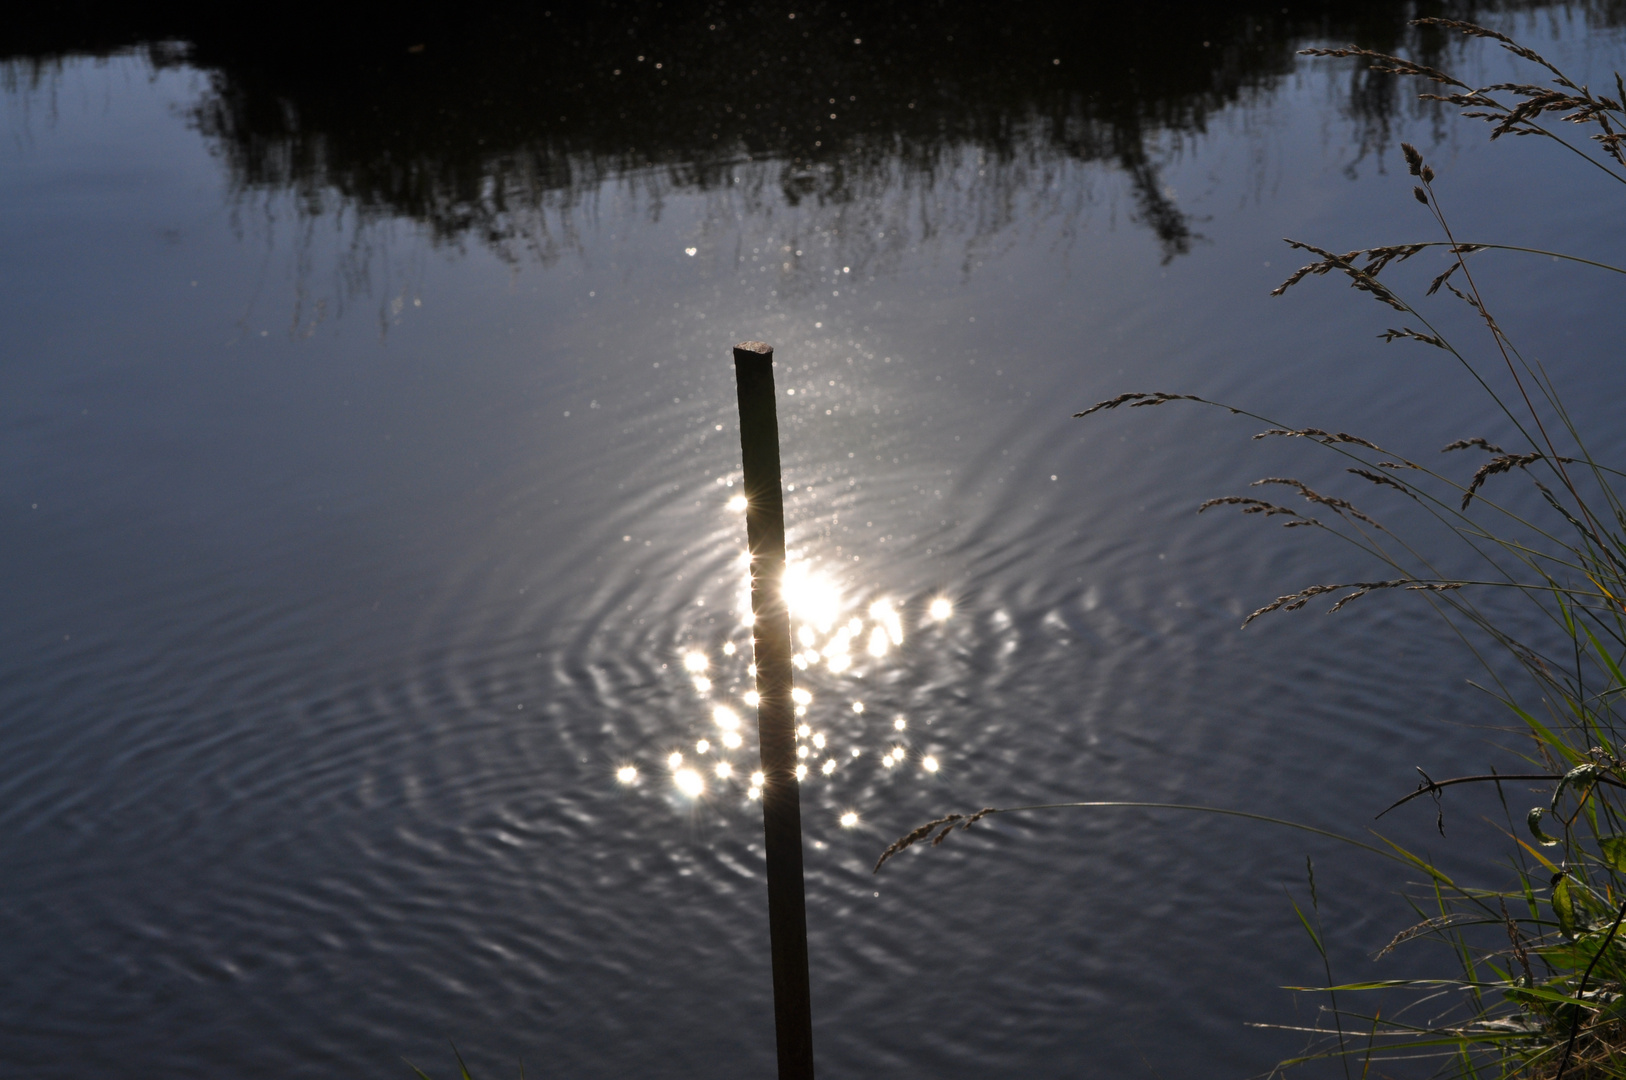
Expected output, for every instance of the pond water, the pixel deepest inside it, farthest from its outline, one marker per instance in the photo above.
(367, 443)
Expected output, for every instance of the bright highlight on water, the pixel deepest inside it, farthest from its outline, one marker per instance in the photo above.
(830, 639)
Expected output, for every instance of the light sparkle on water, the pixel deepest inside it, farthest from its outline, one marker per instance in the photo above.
(689, 782)
(830, 637)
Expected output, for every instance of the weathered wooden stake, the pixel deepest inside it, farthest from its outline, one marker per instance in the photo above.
(776, 717)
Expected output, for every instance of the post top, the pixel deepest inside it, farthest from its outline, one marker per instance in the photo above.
(754, 346)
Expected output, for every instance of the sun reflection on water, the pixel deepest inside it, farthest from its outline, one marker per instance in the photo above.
(812, 597)
(843, 637)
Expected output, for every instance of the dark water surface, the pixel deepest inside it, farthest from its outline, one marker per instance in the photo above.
(366, 449)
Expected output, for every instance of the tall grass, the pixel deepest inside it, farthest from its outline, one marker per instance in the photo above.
(462, 1069)
(1539, 988)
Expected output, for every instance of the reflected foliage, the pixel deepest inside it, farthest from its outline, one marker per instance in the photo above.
(470, 119)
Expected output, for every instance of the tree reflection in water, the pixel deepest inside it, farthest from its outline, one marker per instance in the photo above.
(493, 123)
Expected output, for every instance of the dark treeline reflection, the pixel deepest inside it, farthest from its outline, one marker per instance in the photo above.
(470, 117)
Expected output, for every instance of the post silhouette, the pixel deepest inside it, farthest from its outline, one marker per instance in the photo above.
(776, 717)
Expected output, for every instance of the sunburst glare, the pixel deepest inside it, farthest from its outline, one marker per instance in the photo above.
(811, 596)
(840, 638)
(689, 782)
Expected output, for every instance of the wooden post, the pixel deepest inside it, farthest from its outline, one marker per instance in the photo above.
(776, 716)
